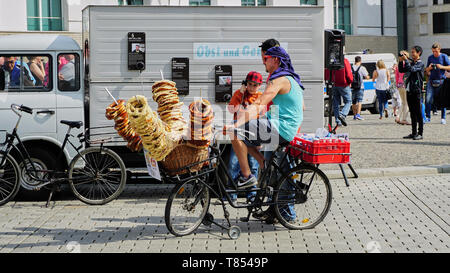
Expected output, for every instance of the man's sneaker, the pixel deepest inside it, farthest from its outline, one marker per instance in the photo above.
(244, 183)
(411, 136)
(418, 137)
(262, 215)
(358, 117)
(354, 117)
(435, 113)
(426, 120)
(443, 121)
(272, 220)
(342, 119)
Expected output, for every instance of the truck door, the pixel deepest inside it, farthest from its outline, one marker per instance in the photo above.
(28, 80)
(69, 94)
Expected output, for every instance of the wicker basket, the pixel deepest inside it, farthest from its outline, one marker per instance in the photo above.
(184, 155)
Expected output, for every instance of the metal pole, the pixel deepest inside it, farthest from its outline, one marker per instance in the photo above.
(382, 17)
(330, 99)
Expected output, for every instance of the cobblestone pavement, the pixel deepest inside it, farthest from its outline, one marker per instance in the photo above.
(379, 143)
(390, 214)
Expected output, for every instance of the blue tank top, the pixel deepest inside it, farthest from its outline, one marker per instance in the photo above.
(286, 113)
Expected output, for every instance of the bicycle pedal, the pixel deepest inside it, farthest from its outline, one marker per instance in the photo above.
(245, 219)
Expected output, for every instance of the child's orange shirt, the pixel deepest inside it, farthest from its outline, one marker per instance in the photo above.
(242, 99)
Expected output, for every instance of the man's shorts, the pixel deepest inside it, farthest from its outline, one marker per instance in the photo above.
(357, 95)
(263, 133)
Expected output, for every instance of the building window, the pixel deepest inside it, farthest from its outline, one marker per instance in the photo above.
(44, 15)
(252, 2)
(131, 2)
(441, 22)
(199, 3)
(342, 16)
(308, 2)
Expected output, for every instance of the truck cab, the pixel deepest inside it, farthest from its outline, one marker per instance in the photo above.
(42, 71)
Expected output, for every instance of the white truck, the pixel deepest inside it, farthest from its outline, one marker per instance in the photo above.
(197, 47)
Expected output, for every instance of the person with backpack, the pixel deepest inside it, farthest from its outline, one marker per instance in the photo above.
(342, 80)
(359, 74)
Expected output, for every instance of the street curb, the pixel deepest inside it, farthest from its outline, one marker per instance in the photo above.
(389, 172)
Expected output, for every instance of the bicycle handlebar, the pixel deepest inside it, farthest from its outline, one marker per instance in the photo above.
(239, 131)
(22, 108)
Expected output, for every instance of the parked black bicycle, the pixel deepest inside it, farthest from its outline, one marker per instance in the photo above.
(300, 194)
(96, 175)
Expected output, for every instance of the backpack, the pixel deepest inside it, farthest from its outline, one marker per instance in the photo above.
(356, 84)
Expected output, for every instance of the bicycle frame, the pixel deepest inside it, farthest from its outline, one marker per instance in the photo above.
(26, 158)
(223, 192)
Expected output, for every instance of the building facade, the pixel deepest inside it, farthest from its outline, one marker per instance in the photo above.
(428, 22)
(379, 25)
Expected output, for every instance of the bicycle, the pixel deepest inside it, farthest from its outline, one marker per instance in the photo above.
(96, 175)
(299, 193)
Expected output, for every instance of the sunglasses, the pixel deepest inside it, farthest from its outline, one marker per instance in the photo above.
(267, 57)
(9, 62)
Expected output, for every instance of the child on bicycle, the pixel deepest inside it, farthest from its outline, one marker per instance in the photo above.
(242, 98)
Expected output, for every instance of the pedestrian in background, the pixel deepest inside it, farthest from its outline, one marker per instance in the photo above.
(437, 64)
(381, 77)
(342, 80)
(414, 85)
(400, 83)
(359, 75)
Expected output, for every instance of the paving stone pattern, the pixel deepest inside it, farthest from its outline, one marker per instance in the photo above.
(395, 214)
(379, 143)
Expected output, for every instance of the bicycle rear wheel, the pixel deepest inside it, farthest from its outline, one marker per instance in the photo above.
(97, 176)
(186, 207)
(302, 198)
(9, 179)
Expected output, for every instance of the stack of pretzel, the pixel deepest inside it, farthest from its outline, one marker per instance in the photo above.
(200, 131)
(150, 128)
(169, 107)
(118, 113)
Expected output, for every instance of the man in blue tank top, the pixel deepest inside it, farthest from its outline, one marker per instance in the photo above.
(279, 125)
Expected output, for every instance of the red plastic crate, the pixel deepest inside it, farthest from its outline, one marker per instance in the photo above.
(324, 151)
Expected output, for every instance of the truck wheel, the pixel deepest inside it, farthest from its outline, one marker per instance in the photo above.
(42, 160)
(375, 108)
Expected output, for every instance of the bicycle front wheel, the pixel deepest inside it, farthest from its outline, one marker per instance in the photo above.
(9, 179)
(97, 176)
(302, 198)
(186, 207)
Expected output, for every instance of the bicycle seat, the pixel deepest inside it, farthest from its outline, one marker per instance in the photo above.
(72, 124)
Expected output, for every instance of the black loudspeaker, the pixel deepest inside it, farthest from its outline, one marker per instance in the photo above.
(334, 49)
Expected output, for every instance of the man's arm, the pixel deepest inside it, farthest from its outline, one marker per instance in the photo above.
(260, 104)
(401, 67)
(444, 67)
(417, 67)
(348, 72)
